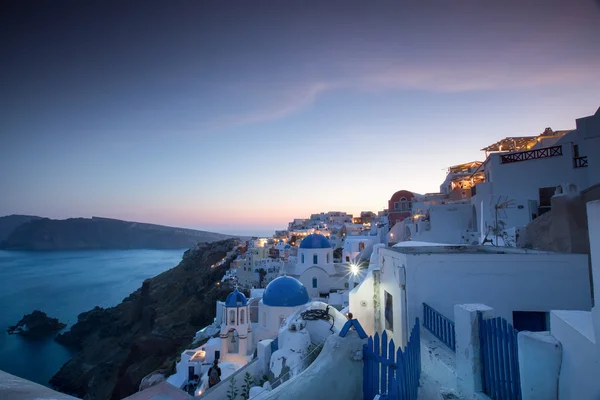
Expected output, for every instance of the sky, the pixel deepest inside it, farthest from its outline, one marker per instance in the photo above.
(238, 116)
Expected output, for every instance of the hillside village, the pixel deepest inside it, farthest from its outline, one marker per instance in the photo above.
(483, 290)
(491, 277)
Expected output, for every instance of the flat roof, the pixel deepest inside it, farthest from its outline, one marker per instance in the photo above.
(463, 249)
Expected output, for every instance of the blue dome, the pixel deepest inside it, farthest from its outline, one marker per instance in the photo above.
(236, 299)
(315, 241)
(285, 291)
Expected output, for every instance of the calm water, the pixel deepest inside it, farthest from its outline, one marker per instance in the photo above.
(63, 284)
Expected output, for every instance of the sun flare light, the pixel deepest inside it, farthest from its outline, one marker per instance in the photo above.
(354, 269)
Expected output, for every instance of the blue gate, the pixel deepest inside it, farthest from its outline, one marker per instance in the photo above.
(393, 374)
(499, 356)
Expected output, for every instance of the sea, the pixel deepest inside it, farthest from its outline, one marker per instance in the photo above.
(64, 284)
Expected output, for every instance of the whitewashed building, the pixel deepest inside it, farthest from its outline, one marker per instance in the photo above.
(519, 284)
(315, 267)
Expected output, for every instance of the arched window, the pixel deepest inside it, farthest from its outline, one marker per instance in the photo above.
(327, 258)
(281, 319)
(242, 315)
(232, 317)
(347, 258)
(314, 283)
(315, 259)
(302, 259)
(264, 320)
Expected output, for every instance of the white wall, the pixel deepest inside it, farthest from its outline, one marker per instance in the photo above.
(335, 374)
(447, 224)
(321, 259)
(361, 303)
(351, 248)
(523, 179)
(580, 362)
(269, 320)
(324, 283)
(516, 281)
(540, 357)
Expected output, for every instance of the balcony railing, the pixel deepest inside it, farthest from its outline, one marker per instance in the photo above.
(553, 151)
(441, 327)
(580, 162)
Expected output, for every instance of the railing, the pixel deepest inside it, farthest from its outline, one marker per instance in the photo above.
(580, 162)
(531, 154)
(392, 374)
(440, 326)
(499, 356)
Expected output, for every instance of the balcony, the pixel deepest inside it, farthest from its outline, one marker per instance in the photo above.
(547, 152)
(580, 162)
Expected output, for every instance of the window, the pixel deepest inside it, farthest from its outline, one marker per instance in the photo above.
(314, 283)
(327, 258)
(361, 246)
(242, 312)
(315, 259)
(403, 205)
(264, 319)
(347, 258)
(389, 311)
(302, 259)
(232, 317)
(281, 319)
(533, 321)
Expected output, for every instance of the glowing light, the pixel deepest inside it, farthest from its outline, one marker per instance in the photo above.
(354, 269)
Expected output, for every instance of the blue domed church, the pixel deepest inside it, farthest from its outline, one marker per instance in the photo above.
(239, 334)
(235, 327)
(315, 269)
(282, 297)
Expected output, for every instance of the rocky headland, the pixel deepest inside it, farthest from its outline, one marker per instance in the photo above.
(36, 325)
(35, 233)
(119, 346)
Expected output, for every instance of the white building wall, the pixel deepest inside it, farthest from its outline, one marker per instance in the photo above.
(507, 282)
(521, 180)
(324, 282)
(352, 246)
(362, 303)
(448, 223)
(322, 256)
(580, 364)
(269, 320)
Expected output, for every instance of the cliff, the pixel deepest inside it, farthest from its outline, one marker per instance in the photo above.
(100, 233)
(119, 346)
(11, 222)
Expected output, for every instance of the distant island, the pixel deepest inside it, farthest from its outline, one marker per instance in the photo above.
(24, 232)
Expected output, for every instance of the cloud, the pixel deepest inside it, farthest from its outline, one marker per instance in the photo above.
(434, 78)
(293, 100)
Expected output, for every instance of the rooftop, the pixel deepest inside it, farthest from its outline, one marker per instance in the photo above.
(435, 248)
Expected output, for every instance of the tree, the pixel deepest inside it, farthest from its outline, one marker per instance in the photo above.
(261, 276)
(337, 253)
(248, 383)
(232, 391)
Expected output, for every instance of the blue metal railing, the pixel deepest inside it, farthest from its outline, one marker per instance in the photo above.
(440, 326)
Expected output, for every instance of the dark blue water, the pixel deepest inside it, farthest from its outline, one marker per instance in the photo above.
(63, 284)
